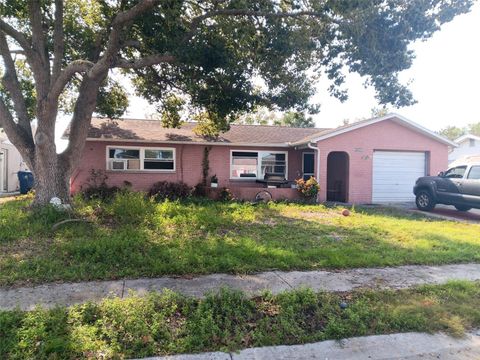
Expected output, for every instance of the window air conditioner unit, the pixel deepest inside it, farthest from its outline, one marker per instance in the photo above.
(118, 165)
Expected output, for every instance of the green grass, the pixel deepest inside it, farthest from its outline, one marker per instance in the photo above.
(134, 237)
(169, 323)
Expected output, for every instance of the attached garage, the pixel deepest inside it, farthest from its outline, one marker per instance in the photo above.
(385, 155)
(395, 173)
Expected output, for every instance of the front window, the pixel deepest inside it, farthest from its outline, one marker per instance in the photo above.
(256, 164)
(124, 159)
(158, 160)
(244, 164)
(140, 159)
(273, 163)
(456, 172)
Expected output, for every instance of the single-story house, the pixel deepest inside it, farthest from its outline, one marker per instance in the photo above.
(11, 163)
(467, 145)
(370, 161)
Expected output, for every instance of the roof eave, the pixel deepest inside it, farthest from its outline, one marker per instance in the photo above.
(282, 145)
(391, 116)
(467, 136)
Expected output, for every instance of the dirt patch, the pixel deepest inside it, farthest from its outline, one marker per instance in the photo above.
(7, 199)
(318, 215)
(25, 248)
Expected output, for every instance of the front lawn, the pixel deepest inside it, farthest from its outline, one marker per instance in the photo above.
(169, 323)
(133, 237)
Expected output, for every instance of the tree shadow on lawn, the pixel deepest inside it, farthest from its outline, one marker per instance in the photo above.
(232, 245)
(290, 244)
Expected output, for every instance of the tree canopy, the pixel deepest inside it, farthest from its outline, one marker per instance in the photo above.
(221, 57)
(263, 116)
(454, 132)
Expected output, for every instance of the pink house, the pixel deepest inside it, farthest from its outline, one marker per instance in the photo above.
(375, 160)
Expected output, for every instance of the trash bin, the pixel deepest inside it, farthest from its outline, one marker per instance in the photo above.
(26, 181)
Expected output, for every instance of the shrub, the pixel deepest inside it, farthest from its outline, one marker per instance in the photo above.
(200, 190)
(162, 190)
(97, 188)
(308, 189)
(225, 195)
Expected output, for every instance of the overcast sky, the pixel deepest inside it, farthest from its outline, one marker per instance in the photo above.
(445, 79)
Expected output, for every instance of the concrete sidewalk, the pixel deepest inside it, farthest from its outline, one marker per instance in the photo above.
(50, 295)
(408, 346)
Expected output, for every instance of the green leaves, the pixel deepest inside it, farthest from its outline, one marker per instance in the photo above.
(170, 114)
(112, 101)
(233, 56)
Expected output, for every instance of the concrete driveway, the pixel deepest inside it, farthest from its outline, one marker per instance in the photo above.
(446, 210)
(443, 211)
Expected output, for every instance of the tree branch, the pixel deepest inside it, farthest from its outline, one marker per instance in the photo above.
(144, 62)
(12, 85)
(20, 38)
(38, 58)
(58, 39)
(134, 12)
(81, 119)
(38, 35)
(131, 43)
(75, 67)
(245, 12)
(17, 135)
(30, 53)
(114, 39)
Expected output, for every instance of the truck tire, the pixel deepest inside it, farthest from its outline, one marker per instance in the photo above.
(462, 207)
(425, 201)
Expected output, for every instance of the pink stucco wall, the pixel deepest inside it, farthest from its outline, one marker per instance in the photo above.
(360, 144)
(188, 167)
(250, 192)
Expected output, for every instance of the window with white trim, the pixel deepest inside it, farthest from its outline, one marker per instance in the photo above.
(244, 165)
(123, 159)
(158, 160)
(140, 159)
(255, 164)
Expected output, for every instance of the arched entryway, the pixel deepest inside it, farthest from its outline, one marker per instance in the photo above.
(337, 176)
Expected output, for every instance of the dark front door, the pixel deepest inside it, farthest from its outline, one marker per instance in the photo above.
(308, 165)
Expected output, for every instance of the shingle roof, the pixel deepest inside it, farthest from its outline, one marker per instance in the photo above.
(152, 130)
(321, 132)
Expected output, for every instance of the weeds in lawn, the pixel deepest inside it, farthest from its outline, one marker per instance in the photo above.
(131, 236)
(167, 323)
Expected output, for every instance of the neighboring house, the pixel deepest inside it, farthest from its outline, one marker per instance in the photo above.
(11, 163)
(468, 145)
(375, 160)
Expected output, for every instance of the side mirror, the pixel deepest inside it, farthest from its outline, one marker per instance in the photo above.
(441, 174)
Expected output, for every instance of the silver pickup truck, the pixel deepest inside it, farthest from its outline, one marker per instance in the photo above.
(458, 186)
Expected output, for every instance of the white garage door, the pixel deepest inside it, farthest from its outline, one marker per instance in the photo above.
(394, 175)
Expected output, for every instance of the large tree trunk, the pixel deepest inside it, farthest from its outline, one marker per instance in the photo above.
(52, 179)
(52, 175)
